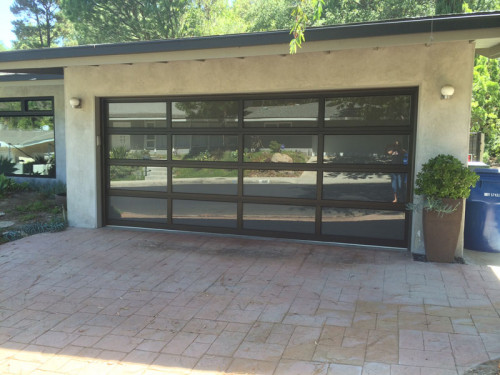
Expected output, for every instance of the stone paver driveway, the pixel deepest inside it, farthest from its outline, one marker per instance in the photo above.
(109, 301)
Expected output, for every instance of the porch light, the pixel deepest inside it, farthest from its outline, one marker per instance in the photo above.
(75, 102)
(447, 91)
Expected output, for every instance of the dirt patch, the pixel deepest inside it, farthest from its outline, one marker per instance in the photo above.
(22, 211)
(487, 368)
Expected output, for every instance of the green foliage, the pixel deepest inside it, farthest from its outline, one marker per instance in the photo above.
(204, 173)
(275, 146)
(111, 21)
(485, 116)
(444, 176)
(6, 184)
(48, 189)
(126, 173)
(39, 24)
(36, 206)
(7, 166)
(118, 152)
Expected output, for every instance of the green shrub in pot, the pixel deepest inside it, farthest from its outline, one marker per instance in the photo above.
(444, 182)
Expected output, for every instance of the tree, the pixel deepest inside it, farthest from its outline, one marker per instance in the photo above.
(2, 47)
(212, 17)
(111, 21)
(39, 23)
(485, 116)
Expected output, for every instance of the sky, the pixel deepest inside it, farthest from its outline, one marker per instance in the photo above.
(6, 36)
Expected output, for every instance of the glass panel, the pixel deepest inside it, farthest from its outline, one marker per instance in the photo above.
(366, 149)
(280, 183)
(27, 146)
(281, 113)
(368, 110)
(10, 106)
(138, 146)
(380, 187)
(355, 222)
(280, 218)
(205, 147)
(40, 105)
(281, 148)
(138, 178)
(206, 114)
(205, 214)
(205, 181)
(137, 115)
(138, 209)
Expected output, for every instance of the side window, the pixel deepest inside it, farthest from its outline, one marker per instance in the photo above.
(27, 137)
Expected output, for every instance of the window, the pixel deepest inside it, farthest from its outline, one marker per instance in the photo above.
(27, 138)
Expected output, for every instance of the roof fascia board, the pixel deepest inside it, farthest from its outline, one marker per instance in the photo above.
(338, 32)
(281, 49)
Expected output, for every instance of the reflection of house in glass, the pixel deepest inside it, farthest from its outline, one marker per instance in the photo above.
(32, 151)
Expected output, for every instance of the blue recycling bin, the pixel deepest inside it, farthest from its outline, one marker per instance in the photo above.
(482, 213)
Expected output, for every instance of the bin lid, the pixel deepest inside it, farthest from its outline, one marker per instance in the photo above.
(487, 170)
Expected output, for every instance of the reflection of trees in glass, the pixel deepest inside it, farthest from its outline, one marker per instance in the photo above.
(27, 123)
(40, 105)
(215, 113)
(126, 173)
(369, 108)
(14, 106)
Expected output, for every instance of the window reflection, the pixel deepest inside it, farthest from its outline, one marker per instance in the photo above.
(280, 183)
(280, 218)
(368, 110)
(379, 187)
(281, 148)
(10, 106)
(137, 115)
(354, 222)
(205, 181)
(205, 148)
(366, 149)
(205, 114)
(137, 209)
(281, 113)
(27, 146)
(145, 178)
(206, 214)
(138, 146)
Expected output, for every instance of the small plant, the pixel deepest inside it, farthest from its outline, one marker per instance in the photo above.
(7, 166)
(275, 146)
(118, 152)
(8, 185)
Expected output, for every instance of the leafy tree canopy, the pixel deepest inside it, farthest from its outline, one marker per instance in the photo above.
(38, 24)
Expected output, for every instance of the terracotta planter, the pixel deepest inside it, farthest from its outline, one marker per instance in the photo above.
(441, 232)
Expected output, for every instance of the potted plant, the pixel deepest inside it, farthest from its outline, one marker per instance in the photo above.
(444, 182)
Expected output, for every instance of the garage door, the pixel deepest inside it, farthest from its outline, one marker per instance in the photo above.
(328, 166)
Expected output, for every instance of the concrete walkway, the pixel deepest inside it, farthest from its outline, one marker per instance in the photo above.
(109, 301)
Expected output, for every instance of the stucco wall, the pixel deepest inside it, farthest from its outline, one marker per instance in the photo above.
(443, 125)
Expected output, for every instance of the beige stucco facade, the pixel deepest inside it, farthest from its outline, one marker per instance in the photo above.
(54, 88)
(442, 126)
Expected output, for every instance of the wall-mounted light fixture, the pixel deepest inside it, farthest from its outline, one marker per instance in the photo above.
(75, 102)
(447, 91)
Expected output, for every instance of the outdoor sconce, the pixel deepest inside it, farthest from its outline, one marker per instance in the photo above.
(447, 91)
(75, 102)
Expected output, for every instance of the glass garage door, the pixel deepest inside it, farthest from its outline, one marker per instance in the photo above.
(332, 166)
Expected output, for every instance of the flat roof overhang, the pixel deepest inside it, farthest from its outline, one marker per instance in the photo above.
(483, 29)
